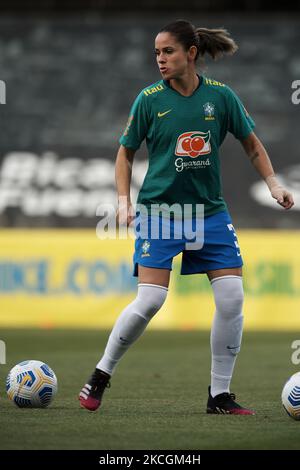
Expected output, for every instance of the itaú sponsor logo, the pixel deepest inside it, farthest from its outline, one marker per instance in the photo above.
(193, 144)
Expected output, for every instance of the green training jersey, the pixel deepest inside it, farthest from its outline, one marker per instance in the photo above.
(183, 135)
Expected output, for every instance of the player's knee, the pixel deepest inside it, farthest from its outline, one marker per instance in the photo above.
(230, 307)
(229, 296)
(150, 300)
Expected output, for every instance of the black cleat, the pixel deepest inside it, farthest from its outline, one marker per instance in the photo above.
(225, 404)
(91, 394)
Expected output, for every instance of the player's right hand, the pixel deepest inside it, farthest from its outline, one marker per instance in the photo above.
(125, 214)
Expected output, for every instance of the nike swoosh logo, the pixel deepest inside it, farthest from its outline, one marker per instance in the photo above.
(233, 347)
(123, 340)
(163, 114)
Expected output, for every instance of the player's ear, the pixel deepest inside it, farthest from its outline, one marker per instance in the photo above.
(192, 52)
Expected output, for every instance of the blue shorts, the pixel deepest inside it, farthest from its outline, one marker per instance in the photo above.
(220, 248)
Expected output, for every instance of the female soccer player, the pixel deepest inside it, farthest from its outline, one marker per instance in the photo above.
(185, 118)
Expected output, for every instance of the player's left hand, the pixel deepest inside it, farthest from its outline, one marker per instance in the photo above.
(283, 197)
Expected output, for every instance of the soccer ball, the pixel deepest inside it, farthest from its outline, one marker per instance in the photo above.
(31, 384)
(291, 396)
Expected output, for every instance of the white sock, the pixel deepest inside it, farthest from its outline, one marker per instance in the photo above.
(131, 324)
(226, 332)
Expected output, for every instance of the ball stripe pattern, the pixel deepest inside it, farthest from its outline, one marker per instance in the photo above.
(294, 399)
(45, 396)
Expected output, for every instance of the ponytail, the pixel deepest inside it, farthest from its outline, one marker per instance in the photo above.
(215, 42)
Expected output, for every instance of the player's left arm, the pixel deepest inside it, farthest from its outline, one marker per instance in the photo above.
(262, 163)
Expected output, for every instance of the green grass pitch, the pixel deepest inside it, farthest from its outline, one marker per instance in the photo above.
(158, 394)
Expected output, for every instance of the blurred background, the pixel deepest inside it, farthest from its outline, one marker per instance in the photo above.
(71, 72)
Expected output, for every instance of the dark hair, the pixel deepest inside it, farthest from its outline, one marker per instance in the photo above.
(215, 42)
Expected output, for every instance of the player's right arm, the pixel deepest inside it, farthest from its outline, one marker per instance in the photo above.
(123, 172)
(133, 135)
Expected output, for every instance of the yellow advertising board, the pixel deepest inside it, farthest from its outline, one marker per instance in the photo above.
(70, 278)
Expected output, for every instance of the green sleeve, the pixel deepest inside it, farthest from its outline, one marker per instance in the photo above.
(137, 125)
(240, 123)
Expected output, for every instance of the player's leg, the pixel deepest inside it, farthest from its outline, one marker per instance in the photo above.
(152, 292)
(226, 336)
(221, 260)
(226, 331)
(154, 276)
(133, 320)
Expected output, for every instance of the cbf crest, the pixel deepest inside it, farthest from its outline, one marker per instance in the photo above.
(209, 111)
(145, 248)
